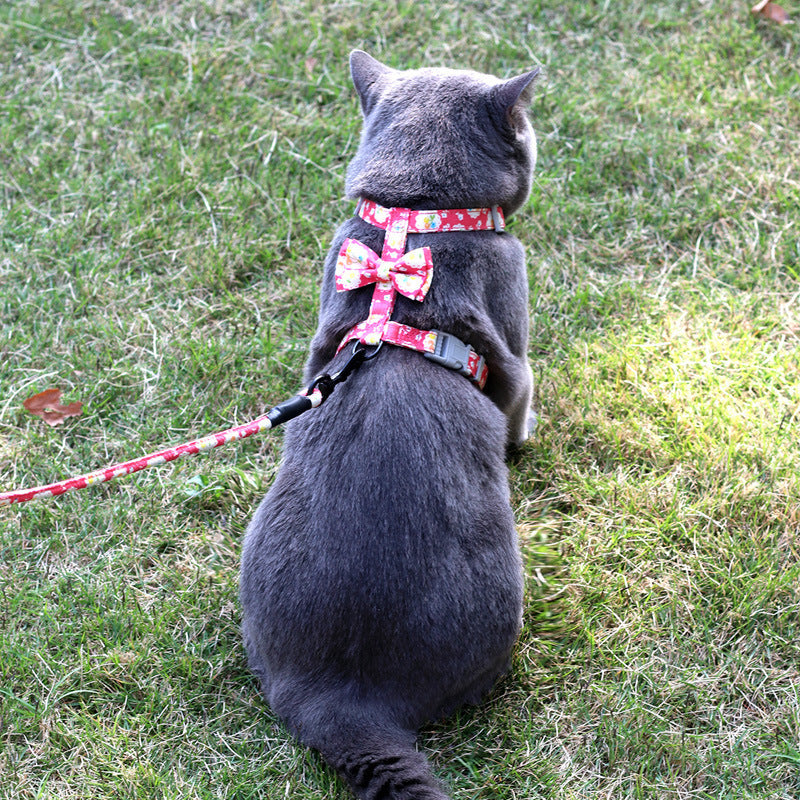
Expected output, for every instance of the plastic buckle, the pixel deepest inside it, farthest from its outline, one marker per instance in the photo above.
(497, 220)
(454, 354)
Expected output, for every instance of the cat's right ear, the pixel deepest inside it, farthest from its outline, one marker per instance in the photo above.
(366, 72)
(514, 95)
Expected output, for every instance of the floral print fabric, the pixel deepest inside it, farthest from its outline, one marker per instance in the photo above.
(441, 221)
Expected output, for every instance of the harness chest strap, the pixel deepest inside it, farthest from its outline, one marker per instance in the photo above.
(410, 274)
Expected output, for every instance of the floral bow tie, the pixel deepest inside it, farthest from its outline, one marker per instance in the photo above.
(358, 265)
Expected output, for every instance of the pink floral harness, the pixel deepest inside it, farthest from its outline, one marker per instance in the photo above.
(410, 274)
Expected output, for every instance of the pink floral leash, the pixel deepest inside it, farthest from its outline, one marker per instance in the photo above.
(312, 397)
(410, 274)
(393, 272)
(136, 464)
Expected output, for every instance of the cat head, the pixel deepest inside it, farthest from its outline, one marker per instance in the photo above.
(440, 138)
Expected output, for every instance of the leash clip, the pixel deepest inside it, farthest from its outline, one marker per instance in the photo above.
(454, 354)
(325, 383)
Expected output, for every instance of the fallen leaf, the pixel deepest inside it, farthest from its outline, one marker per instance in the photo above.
(772, 11)
(47, 405)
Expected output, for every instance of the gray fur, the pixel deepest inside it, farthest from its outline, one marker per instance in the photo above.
(381, 580)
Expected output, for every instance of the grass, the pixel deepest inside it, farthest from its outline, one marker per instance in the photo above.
(170, 175)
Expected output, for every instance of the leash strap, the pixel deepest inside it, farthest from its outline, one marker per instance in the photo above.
(136, 465)
(313, 397)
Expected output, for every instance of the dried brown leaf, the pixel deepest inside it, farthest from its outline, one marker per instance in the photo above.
(771, 11)
(48, 406)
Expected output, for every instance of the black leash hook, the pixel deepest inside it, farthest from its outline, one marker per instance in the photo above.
(324, 384)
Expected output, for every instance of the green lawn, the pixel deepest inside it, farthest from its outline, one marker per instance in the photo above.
(170, 177)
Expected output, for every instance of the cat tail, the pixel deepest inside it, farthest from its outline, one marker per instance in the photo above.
(378, 761)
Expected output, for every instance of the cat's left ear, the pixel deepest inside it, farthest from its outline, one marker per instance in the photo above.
(514, 95)
(366, 72)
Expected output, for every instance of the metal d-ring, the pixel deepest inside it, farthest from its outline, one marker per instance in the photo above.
(369, 356)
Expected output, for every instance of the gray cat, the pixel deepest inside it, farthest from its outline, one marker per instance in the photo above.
(381, 580)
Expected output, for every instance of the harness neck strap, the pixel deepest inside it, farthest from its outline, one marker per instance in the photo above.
(440, 221)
